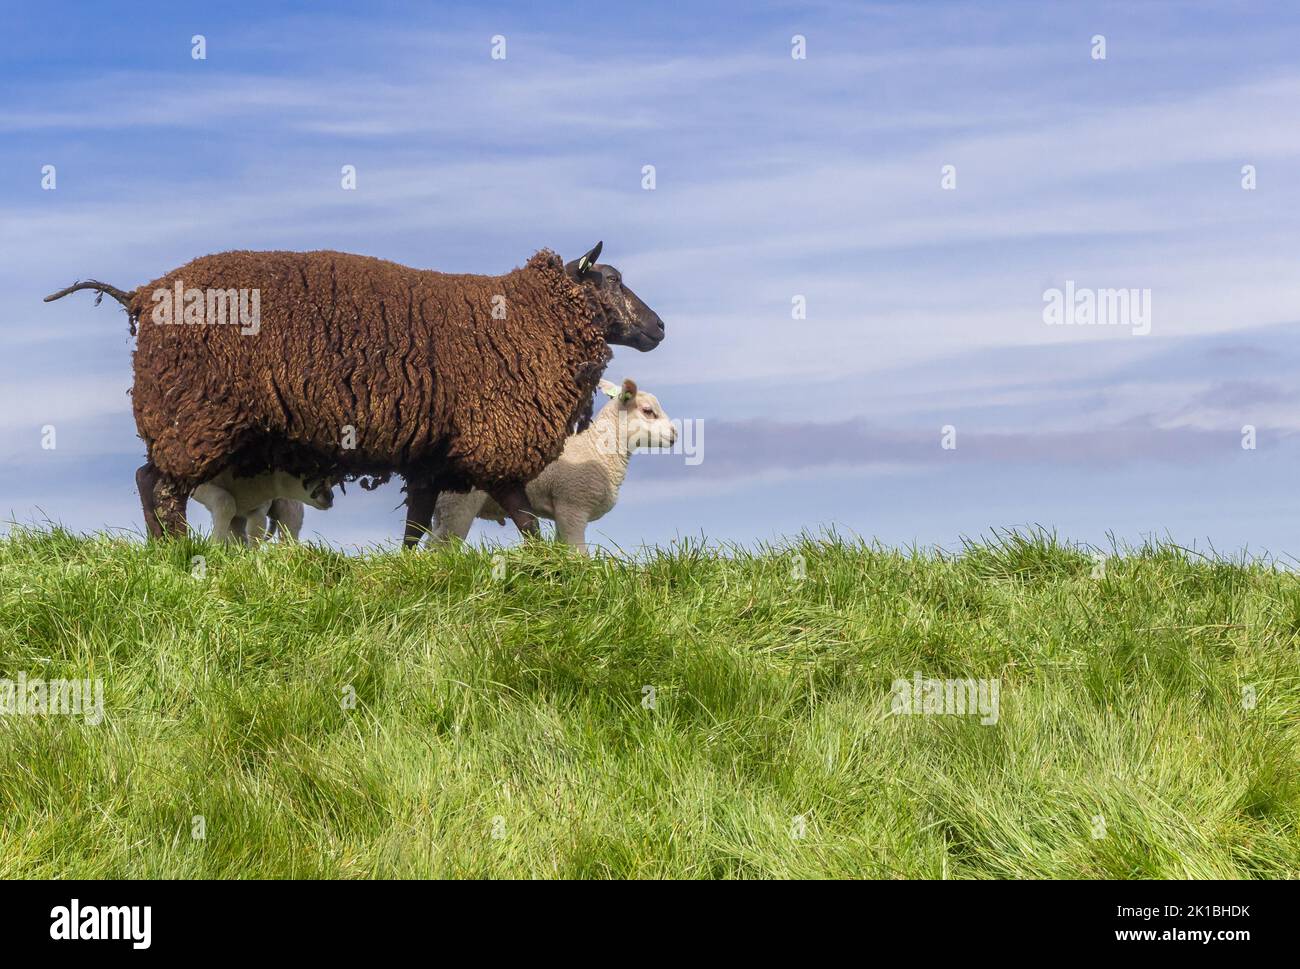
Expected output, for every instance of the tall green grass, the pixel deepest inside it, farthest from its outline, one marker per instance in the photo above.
(504, 724)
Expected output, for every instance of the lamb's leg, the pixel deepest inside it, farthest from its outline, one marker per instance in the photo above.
(286, 519)
(238, 529)
(514, 502)
(571, 526)
(255, 530)
(454, 515)
(421, 496)
(224, 519)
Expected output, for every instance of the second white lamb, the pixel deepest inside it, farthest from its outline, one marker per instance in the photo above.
(240, 506)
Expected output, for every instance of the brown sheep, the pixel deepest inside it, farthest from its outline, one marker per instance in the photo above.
(349, 366)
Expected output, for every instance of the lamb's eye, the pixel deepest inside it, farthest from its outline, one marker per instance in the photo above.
(648, 411)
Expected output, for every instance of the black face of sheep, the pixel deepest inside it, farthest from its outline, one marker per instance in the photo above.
(627, 320)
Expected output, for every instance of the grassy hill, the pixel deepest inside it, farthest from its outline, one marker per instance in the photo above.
(1148, 721)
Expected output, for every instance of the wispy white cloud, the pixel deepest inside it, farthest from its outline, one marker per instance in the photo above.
(895, 268)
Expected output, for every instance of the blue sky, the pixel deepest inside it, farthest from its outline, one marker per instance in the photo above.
(775, 178)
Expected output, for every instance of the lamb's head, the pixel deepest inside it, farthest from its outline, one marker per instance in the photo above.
(640, 420)
(316, 492)
(627, 320)
(320, 493)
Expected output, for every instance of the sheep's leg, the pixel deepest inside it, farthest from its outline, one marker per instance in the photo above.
(163, 500)
(571, 526)
(421, 496)
(146, 479)
(169, 500)
(238, 529)
(513, 500)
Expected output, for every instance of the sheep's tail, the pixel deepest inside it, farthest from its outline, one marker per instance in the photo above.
(100, 289)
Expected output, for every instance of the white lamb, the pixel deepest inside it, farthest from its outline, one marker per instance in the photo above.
(581, 485)
(230, 498)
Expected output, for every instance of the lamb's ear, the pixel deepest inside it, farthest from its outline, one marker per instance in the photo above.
(589, 260)
(608, 389)
(628, 393)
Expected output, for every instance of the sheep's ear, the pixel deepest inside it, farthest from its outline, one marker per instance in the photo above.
(609, 389)
(629, 391)
(589, 260)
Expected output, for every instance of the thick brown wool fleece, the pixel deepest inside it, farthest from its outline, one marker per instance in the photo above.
(411, 359)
